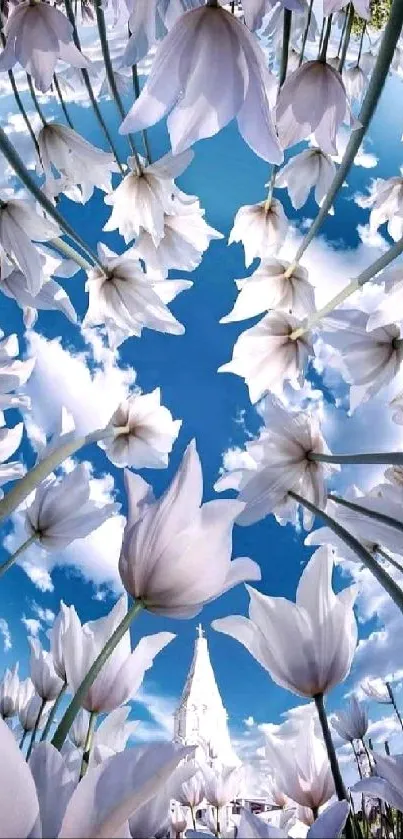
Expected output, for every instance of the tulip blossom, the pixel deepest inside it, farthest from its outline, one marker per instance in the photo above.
(368, 530)
(50, 297)
(63, 511)
(178, 819)
(9, 691)
(39, 798)
(10, 439)
(122, 298)
(386, 203)
(302, 771)
(141, 200)
(190, 793)
(176, 552)
(37, 35)
(31, 713)
(261, 228)
(153, 818)
(310, 169)
(271, 287)
(376, 689)
(144, 432)
(278, 461)
(265, 355)
(354, 81)
(19, 226)
(13, 374)
(57, 637)
(361, 7)
(330, 824)
(391, 303)
(313, 101)
(44, 677)
(326, 536)
(196, 90)
(221, 784)
(79, 162)
(148, 22)
(352, 723)
(306, 649)
(123, 673)
(387, 782)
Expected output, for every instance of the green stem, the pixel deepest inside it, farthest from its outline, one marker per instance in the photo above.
(341, 791)
(10, 153)
(356, 758)
(342, 34)
(322, 32)
(35, 729)
(22, 741)
(13, 558)
(386, 458)
(62, 102)
(23, 112)
(192, 813)
(323, 52)
(88, 743)
(75, 704)
(347, 36)
(282, 76)
(88, 85)
(305, 35)
(52, 713)
(371, 99)
(386, 555)
(111, 76)
(383, 518)
(38, 473)
(35, 100)
(70, 253)
(136, 88)
(361, 43)
(393, 701)
(383, 578)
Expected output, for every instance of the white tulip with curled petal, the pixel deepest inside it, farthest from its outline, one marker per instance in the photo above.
(37, 35)
(176, 552)
(271, 287)
(9, 692)
(310, 169)
(261, 228)
(20, 226)
(144, 432)
(351, 723)
(204, 49)
(43, 674)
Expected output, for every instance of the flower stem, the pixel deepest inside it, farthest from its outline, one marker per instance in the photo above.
(371, 514)
(23, 112)
(23, 738)
(323, 51)
(62, 102)
(88, 743)
(75, 704)
(13, 558)
(371, 99)
(347, 36)
(386, 555)
(364, 27)
(35, 729)
(192, 813)
(54, 708)
(86, 79)
(342, 33)
(70, 253)
(305, 35)
(136, 87)
(383, 578)
(341, 791)
(282, 76)
(110, 74)
(356, 758)
(38, 473)
(35, 100)
(392, 458)
(393, 701)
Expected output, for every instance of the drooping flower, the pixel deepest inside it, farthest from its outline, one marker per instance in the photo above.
(123, 299)
(144, 432)
(51, 296)
(44, 677)
(386, 203)
(265, 355)
(387, 782)
(37, 35)
(176, 552)
(79, 162)
(390, 304)
(63, 511)
(123, 673)
(354, 81)
(310, 169)
(221, 784)
(361, 7)
(352, 723)
(329, 823)
(303, 771)
(196, 91)
(10, 439)
(9, 692)
(13, 374)
(376, 689)
(307, 648)
(312, 100)
(326, 536)
(141, 199)
(261, 228)
(271, 287)
(20, 225)
(148, 22)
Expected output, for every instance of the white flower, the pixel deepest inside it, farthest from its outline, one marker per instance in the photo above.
(278, 462)
(310, 169)
(44, 677)
(40, 799)
(351, 522)
(390, 305)
(114, 730)
(63, 511)
(377, 690)
(142, 199)
(386, 201)
(37, 36)
(10, 439)
(361, 7)
(312, 100)
(79, 162)
(9, 692)
(153, 818)
(185, 237)
(13, 374)
(329, 823)
(176, 552)
(28, 712)
(51, 296)
(271, 287)
(123, 298)
(26, 691)
(178, 819)
(144, 432)
(221, 784)
(190, 793)
(123, 673)
(19, 226)
(148, 22)
(307, 646)
(352, 723)
(265, 355)
(57, 637)
(303, 771)
(260, 228)
(370, 532)
(387, 781)
(372, 359)
(354, 81)
(204, 49)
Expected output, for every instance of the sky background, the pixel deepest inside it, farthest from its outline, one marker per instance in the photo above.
(74, 369)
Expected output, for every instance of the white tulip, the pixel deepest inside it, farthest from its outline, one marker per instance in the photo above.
(261, 228)
(391, 303)
(144, 432)
(10, 439)
(28, 713)
(303, 771)
(387, 782)
(44, 677)
(376, 689)
(310, 169)
(361, 7)
(351, 724)
(221, 784)
(386, 203)
(13, 374)
(57, 637)
(271, 287)
(329, 823)
(20, 225)
(354, 81)
(9, 693)
(190, 793)
(51, 296)
(176, 552)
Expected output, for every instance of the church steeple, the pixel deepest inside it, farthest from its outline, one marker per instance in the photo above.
(201, 718)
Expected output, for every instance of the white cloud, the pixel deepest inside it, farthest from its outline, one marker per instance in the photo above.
(32, 625)
(161, 710)
(6, 635)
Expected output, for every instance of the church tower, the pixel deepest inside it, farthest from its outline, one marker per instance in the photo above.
(201, 719)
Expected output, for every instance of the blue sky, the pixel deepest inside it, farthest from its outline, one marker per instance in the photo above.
(215, 409)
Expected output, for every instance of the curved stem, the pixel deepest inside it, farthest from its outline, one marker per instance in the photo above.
(305, 35)
(78, 698)
(341, 791)
(383, 518)
(35, 729)
(33, 478)
(62, 102)
(13, 558)
(383, 578)
(323, 51)
(386, 458)
(52, 713)
(347, 36)
(386, 555)
(111, 76)
(88, 743)
(35, 100)
(70, 253)
(23, 112)
(393, 701)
